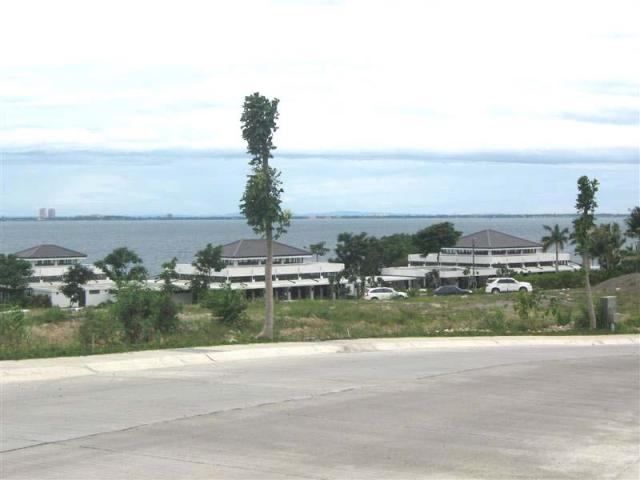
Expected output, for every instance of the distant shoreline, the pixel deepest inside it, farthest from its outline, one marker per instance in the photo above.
(107, 218)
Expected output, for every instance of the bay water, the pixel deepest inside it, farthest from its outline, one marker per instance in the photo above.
(157, 241)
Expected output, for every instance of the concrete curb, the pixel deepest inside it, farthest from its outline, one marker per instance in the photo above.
(67, 367)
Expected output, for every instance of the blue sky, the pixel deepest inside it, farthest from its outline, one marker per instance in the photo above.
(396, 107)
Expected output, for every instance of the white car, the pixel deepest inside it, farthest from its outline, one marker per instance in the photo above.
(505, 284)
(383, 293)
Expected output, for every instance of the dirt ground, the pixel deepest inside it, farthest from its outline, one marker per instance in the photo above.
(624, 283)
(57, 333)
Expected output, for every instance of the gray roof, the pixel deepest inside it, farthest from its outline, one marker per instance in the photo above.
(256, 248)
(49, 251)
(494, 239)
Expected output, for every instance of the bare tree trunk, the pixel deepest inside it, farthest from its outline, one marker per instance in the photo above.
(557, 255)
(586, 266)
(267, 329)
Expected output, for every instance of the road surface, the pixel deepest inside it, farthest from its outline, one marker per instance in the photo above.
(478, 412)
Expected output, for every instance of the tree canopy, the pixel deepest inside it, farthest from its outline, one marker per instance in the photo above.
(434, 237)
(14, 274)
(586, 207)
(606, 245)
(123, 265)
(169, 274)
(319, 249)
(633, 224)
(207, 261)
(74, 278)
(556, 238)
(360, 253)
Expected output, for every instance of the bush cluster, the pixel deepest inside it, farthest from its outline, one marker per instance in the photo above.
(228, 306)
(35, 301)
(14, 329)
(144, 313)
(50, 315)
(100, 328)
(138, 315)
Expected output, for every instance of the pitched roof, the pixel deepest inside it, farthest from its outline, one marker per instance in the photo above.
(494, 239)
(49, 251)
(252, 248)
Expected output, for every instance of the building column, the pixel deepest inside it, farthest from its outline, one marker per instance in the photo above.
(321, 293)
(311, 293)
(252, 294)
(333, 294)
(289, 294)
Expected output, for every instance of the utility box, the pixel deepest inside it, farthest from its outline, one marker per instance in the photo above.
(609, 307)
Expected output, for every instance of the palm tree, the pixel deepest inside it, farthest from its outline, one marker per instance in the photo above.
(556, 237)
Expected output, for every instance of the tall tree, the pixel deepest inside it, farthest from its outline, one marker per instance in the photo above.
(434, 237)
(261, 202)
(207, 261)
(396, 249)
(556, 238)
(361, 254)
(14, 276)
(633, 226)
(318, 249)
(606, 245)
(74, 278)
(583, 227)
(123, 265)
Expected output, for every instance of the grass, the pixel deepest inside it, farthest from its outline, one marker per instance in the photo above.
(54, 332)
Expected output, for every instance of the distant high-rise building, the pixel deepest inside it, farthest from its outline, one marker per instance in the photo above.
(42, 215)
(51, 213)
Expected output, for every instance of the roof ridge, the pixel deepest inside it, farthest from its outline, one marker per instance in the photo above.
(59, 251)
(238, 245)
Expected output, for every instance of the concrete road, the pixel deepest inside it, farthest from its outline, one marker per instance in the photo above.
(500, 412)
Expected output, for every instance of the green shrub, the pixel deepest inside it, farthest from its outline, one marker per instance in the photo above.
(100, 327)
(228, 306)
(553, 281)
(582, 321)
(495, 320)
(562, 314)
(413, 292)
(50, 315)
(13, 328)
(35, 301)
(144, 313)
(528, 304)
(166, 313)
(633, 321)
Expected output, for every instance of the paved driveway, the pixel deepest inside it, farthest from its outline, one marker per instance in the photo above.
(500, 412)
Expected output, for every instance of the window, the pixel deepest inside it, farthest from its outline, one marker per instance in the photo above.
(94, 292)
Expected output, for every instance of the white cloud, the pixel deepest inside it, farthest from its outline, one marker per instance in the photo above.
(352, 75)
(455, 77)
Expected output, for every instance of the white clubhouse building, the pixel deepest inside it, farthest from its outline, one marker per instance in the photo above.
(295, 272)
(49, 264)
(481, 254)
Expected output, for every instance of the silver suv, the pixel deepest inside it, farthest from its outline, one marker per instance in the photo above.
(501, 285)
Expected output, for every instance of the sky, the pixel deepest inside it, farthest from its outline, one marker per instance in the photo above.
(418, 107)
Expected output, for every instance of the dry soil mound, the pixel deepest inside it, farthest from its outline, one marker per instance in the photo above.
(624, 283)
